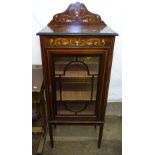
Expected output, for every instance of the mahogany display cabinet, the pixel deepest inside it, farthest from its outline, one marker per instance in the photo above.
(77, 50)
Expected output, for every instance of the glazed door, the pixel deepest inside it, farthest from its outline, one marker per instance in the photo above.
(75, 81)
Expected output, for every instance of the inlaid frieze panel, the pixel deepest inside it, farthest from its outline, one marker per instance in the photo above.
(81, 42)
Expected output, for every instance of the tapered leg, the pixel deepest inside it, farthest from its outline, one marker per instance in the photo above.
(51, 135)
(100, 135)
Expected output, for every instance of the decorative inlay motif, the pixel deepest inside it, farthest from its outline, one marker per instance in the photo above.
(77, 42)
(76, 13)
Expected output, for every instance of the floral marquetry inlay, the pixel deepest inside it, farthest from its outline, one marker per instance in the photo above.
(75, 14)
(77, 42)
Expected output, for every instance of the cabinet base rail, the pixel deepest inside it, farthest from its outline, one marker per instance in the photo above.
(55, 122)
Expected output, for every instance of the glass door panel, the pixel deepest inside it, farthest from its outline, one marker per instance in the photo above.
(76, 82)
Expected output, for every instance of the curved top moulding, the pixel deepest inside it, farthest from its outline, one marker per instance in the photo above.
(76, 14)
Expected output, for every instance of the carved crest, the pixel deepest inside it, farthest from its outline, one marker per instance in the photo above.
(76, 14)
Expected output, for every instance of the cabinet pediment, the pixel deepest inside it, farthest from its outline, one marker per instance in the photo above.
(76, 14)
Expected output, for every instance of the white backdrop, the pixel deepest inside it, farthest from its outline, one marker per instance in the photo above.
(110, 12)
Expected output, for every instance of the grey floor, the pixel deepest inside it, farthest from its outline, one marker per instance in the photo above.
(82, 140)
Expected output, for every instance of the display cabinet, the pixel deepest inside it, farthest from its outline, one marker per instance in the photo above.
(77, 50)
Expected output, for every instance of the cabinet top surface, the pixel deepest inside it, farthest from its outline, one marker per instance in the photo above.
(76, 30)
(77, 20)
